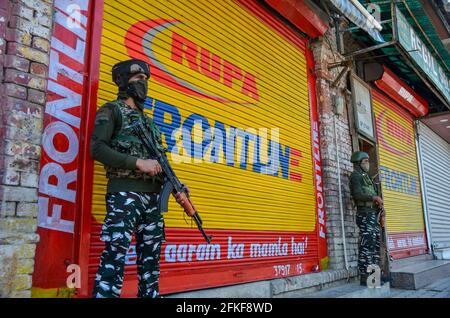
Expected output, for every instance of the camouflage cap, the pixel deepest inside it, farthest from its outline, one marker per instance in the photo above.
(122, 71)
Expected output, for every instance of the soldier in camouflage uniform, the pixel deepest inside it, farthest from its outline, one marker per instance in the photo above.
(367, 200)
(134, 184)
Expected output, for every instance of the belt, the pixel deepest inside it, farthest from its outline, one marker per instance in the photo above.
(366, 204)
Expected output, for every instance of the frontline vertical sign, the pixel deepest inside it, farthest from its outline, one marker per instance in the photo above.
(60, 147)
(418, 51)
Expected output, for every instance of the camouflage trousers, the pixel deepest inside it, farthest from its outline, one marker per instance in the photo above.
(128, 213)
(369, 239)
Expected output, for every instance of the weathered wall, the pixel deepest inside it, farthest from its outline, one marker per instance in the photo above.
(25, 29)
(325, 54)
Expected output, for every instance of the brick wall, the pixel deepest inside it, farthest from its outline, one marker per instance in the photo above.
(325, 53)
(25, 30)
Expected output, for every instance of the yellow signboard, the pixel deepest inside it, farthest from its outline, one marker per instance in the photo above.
(231, 100)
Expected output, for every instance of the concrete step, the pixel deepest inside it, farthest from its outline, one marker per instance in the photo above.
(415, 275)
(442, 285)
(352, 290)
(442, 253)
(438, 289)
(410, 260)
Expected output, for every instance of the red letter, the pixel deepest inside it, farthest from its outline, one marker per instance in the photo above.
(295, 163)
(249, 87)
(210, 66)
(231, 71)
(182, 46)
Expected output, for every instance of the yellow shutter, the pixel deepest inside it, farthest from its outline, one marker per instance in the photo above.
(399, 176)
(271, 93)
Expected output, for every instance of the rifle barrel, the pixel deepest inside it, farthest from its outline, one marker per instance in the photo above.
(200, 227)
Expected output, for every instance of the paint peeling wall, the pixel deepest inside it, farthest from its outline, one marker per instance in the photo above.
(24, 56)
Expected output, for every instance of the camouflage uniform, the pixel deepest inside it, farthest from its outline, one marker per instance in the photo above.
(129, 212)
(363, 190)
(131, 201)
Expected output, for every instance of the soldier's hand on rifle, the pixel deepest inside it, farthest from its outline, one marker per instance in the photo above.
(377, 200)
(149, 166)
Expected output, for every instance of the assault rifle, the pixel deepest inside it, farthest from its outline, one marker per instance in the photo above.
(386, 258)
(171, 183)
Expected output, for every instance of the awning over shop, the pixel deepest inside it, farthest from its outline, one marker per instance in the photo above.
(440, 124)
(299, 13)
(355, 13)
(390, 84)
(413, 52)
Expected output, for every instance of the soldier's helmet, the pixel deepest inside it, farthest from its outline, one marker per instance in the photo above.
(123, 71)
(357, 156)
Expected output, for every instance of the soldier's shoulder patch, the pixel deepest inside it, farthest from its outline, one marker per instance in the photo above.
(103, 115)
(100, 120)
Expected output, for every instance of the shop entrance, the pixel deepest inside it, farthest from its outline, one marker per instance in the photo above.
(370, 148)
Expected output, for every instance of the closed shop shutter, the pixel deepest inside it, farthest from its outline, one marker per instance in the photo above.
(399, 178)
(218, 65)
(435, 160)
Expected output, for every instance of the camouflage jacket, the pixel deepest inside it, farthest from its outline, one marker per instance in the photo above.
(115, 145)
(362, 188)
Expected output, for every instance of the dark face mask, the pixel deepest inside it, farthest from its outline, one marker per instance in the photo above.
(138, 91)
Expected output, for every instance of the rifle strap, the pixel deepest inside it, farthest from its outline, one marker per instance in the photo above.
(155, 135)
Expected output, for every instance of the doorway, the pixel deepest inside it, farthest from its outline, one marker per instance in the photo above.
(374, 172)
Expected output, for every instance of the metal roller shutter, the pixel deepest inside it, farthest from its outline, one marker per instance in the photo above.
(435, 161)
(215, 64)
(399, 177)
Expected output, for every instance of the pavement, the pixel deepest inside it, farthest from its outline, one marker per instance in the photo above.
(438, 289)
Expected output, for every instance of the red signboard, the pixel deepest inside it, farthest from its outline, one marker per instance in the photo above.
(61, 140)
(317, 163)
(407, 244)
(395, 88)
(237, 256)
